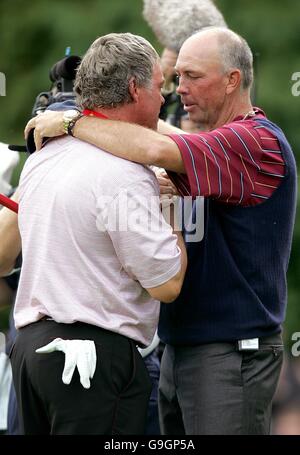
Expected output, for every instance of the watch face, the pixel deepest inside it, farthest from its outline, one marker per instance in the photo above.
(70, 114)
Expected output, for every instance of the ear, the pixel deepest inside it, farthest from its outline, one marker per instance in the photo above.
(234, 81)
(133, 89)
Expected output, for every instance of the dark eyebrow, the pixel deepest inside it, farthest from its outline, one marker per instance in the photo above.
(187, 70)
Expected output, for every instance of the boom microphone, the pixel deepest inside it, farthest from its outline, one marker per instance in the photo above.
(174, 21)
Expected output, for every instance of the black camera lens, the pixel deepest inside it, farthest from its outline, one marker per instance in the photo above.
(65, 68)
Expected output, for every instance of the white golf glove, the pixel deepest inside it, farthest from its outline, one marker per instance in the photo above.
(80, 353)
(151, 347)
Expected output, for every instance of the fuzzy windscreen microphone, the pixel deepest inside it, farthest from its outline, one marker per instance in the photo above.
(173, 21)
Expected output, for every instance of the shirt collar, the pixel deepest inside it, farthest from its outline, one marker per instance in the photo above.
(257, 111)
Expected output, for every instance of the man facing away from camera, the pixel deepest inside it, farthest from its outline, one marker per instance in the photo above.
(97, 258)
(224, 349)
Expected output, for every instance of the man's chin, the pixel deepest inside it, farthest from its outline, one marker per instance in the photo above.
(194, 116)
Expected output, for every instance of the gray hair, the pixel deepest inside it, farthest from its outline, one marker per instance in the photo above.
(235, 53)
(102, 79)
(173, 21)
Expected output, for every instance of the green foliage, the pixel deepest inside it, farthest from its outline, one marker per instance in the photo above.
(34, 36)
(35, 33)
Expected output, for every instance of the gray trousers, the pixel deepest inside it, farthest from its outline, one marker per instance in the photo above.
(216, 389)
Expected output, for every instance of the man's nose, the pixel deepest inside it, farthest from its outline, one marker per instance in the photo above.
(181, 88)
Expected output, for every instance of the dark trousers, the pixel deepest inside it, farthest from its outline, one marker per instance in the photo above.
(115, 404)
(152, 363)
(13, 424)
(216, 389)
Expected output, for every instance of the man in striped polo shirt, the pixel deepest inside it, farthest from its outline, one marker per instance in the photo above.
(223, 350)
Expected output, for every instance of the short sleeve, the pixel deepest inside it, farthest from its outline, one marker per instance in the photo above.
(222, 164)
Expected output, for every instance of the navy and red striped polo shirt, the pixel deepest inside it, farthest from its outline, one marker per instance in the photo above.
(235, 283)
(239, 163)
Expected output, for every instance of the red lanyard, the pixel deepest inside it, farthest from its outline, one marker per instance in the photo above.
(91, 113)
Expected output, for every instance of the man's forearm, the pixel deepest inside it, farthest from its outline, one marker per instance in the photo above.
(131, 142)
(10, 245)
(180, 243)
(126, 140)
(166, 128)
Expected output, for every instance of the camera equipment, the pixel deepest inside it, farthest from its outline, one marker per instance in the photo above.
(172, 110)
(62, 75)
(173, 21)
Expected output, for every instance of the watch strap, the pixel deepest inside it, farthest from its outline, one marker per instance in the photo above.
(71, 125)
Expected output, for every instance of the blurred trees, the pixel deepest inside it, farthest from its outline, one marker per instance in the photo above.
(35, 33)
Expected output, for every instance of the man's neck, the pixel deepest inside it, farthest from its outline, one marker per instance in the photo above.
(123, 113)
(236, 108)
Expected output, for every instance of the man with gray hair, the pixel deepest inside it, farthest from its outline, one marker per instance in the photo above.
(98, 257)
(223, 350)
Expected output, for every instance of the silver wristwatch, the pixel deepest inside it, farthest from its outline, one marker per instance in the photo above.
(70, 117)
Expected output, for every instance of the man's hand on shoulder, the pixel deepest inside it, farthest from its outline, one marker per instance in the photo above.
(48, 124)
